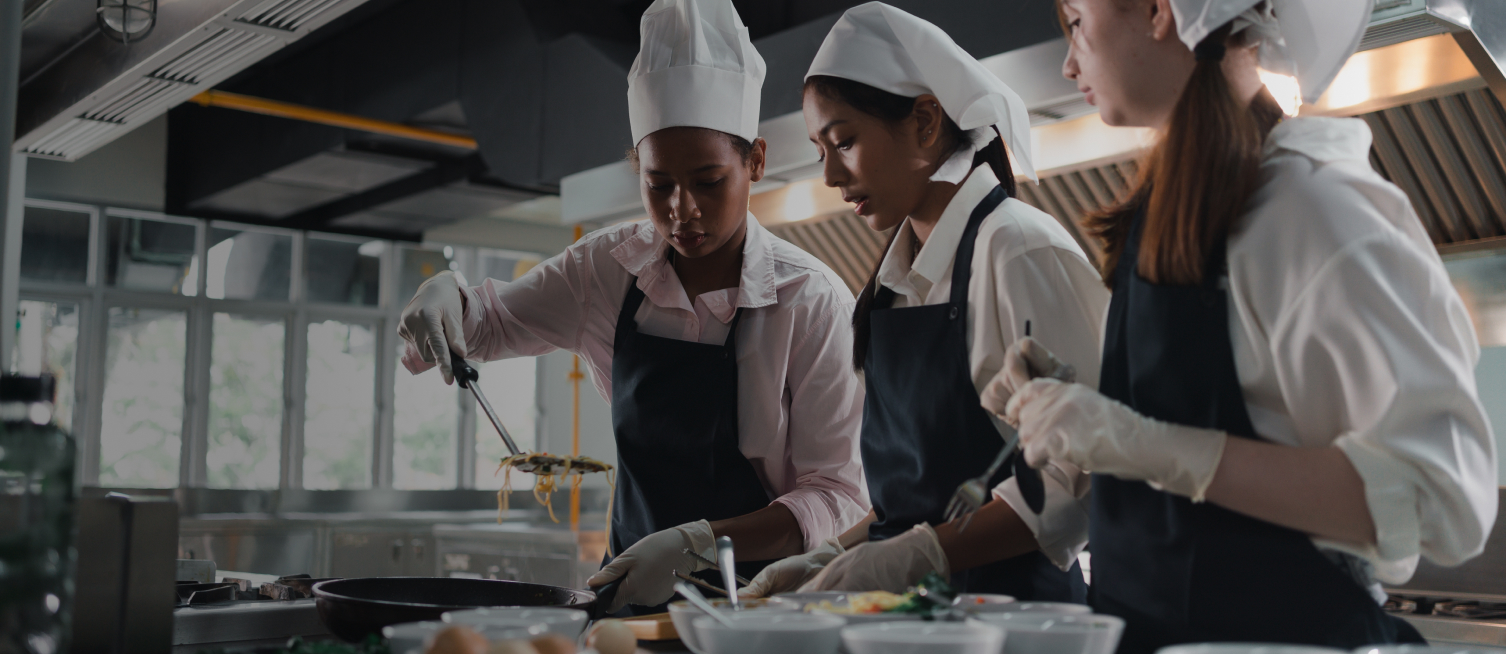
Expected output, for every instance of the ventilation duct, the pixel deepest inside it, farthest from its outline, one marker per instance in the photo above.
(101, 90)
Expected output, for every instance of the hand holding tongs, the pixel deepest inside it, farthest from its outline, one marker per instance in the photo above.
(467, 376)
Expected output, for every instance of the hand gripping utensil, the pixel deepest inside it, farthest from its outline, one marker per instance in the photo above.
(697, 582)
(725, 557)
(712, 564)
(699, 601)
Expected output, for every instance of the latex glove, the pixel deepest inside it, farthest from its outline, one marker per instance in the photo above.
(651, 562)
(431, 322)
(893, 565)
(787, 574)
(1071, 422)
(1025, 360)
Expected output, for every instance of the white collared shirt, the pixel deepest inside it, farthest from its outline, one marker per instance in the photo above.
(800, 404)
(1025, 267)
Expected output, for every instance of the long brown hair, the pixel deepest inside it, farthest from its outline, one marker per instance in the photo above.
(893, 108)
(1195, 183)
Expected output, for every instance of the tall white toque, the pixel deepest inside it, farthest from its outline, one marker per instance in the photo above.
(894, 51)
(696, 67)
(1307, 39)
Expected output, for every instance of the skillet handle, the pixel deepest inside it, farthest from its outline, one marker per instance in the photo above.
(605, 593)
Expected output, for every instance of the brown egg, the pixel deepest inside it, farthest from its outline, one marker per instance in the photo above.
(554, 644)
(512, 647)
(457, 640)
(613, 637)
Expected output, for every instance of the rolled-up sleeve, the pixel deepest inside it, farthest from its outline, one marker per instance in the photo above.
(825, 401)
(542, 311)
(1377, 354)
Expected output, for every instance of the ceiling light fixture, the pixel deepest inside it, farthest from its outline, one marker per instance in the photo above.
(126, 20)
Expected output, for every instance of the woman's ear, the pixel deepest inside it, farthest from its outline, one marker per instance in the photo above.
(757, 158)
(1163, 23)
(928, 120)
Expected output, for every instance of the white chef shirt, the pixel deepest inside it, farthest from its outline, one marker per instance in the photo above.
(1347, 332)
(1025, 267)
(800, 404)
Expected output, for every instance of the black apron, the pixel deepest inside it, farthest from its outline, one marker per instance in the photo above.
(925, 431)
(674, 415)
(1179, 572)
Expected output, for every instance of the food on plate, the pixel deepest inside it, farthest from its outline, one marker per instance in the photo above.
(458, 639)
(549, 470)
(554, 644)
(931, 597)
(612, 637)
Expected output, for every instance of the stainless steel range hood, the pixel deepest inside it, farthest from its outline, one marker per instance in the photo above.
(100, 90)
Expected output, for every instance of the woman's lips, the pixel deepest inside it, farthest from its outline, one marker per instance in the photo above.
(860, 205)
(1088, 97)
(689, 239)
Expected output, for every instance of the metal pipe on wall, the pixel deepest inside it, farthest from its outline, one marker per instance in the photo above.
(12, 178)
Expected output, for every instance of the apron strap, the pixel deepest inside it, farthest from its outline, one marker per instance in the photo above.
(962, 262)
(627, 317)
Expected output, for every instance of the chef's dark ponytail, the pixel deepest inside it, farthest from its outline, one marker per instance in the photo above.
(1195, 183)
(893, 108)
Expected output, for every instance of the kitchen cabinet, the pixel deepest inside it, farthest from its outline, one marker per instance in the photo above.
(380, 551)
(519, 552)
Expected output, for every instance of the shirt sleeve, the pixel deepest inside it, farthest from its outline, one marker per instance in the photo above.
(542, 311)
(1377, 349)
(1059, 292)
(825, 400)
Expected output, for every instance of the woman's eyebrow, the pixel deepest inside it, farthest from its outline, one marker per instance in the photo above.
(702, 169)
(827, 127)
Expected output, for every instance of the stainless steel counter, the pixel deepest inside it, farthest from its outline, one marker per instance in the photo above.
(244, 624)
(1454, 631)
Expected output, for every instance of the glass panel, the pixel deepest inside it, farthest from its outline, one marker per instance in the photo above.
(420, 264)
(141, 421)
(47, 341)
(337, 427)
(245, 402)
(505, 266)
(1481, 282)
(151, 255)
(424, 423)
(247, 265)
(509, 384)
(55, 245)
(343, 272)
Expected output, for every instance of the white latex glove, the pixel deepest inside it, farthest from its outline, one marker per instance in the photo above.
(431, 322)
(1073, 423)
(1025, 360)
(787, 574)
(893, 565)
(651, 562)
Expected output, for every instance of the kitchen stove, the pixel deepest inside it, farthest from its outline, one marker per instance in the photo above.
(245, 610)
(1463, 619)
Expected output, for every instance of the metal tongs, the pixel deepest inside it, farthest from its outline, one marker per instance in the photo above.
(466, 376)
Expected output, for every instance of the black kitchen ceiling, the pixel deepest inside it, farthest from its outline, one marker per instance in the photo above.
(540, 84)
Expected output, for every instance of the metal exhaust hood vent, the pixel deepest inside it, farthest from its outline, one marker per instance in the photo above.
(101, 90)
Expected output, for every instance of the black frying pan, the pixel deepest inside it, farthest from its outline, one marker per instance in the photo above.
(354, 608)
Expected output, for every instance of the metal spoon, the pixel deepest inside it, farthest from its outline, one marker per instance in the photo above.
(725, 558)
(697, 600)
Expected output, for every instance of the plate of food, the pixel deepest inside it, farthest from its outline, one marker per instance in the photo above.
(931, 599)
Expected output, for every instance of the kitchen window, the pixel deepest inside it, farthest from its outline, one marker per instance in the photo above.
(192, 353)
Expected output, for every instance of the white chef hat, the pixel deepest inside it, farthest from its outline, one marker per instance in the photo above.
(1307, 39)
(894, 51)
(696, 67)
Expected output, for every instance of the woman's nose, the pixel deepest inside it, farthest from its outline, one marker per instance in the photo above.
(682, 208)
(1069, 65)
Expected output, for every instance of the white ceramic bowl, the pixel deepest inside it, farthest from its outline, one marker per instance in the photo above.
(805, 600)
(402, 638)
(565, 622)
(984, 603)
(1428, 649)
(1055, 633)
(923, 638)
(1066, 608)
(1245, 648)
(811, 602)
(764, 632)
(684, 615)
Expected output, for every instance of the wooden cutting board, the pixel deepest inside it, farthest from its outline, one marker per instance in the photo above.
(657, 626)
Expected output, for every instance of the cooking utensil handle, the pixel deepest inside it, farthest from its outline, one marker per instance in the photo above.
(726, 558)
(605, 593)
(468, 376)
(698, 582)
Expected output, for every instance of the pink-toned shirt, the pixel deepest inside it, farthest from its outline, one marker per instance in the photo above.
(800, 405)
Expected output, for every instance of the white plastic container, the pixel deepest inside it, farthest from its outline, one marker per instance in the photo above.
(565, 622)
(1246, 648)
(1428, 649)
(923, 638)
(683, 615)
(770, 632)
(1055, 633)
(984, 603)
(1065, 608)
(414, 636)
